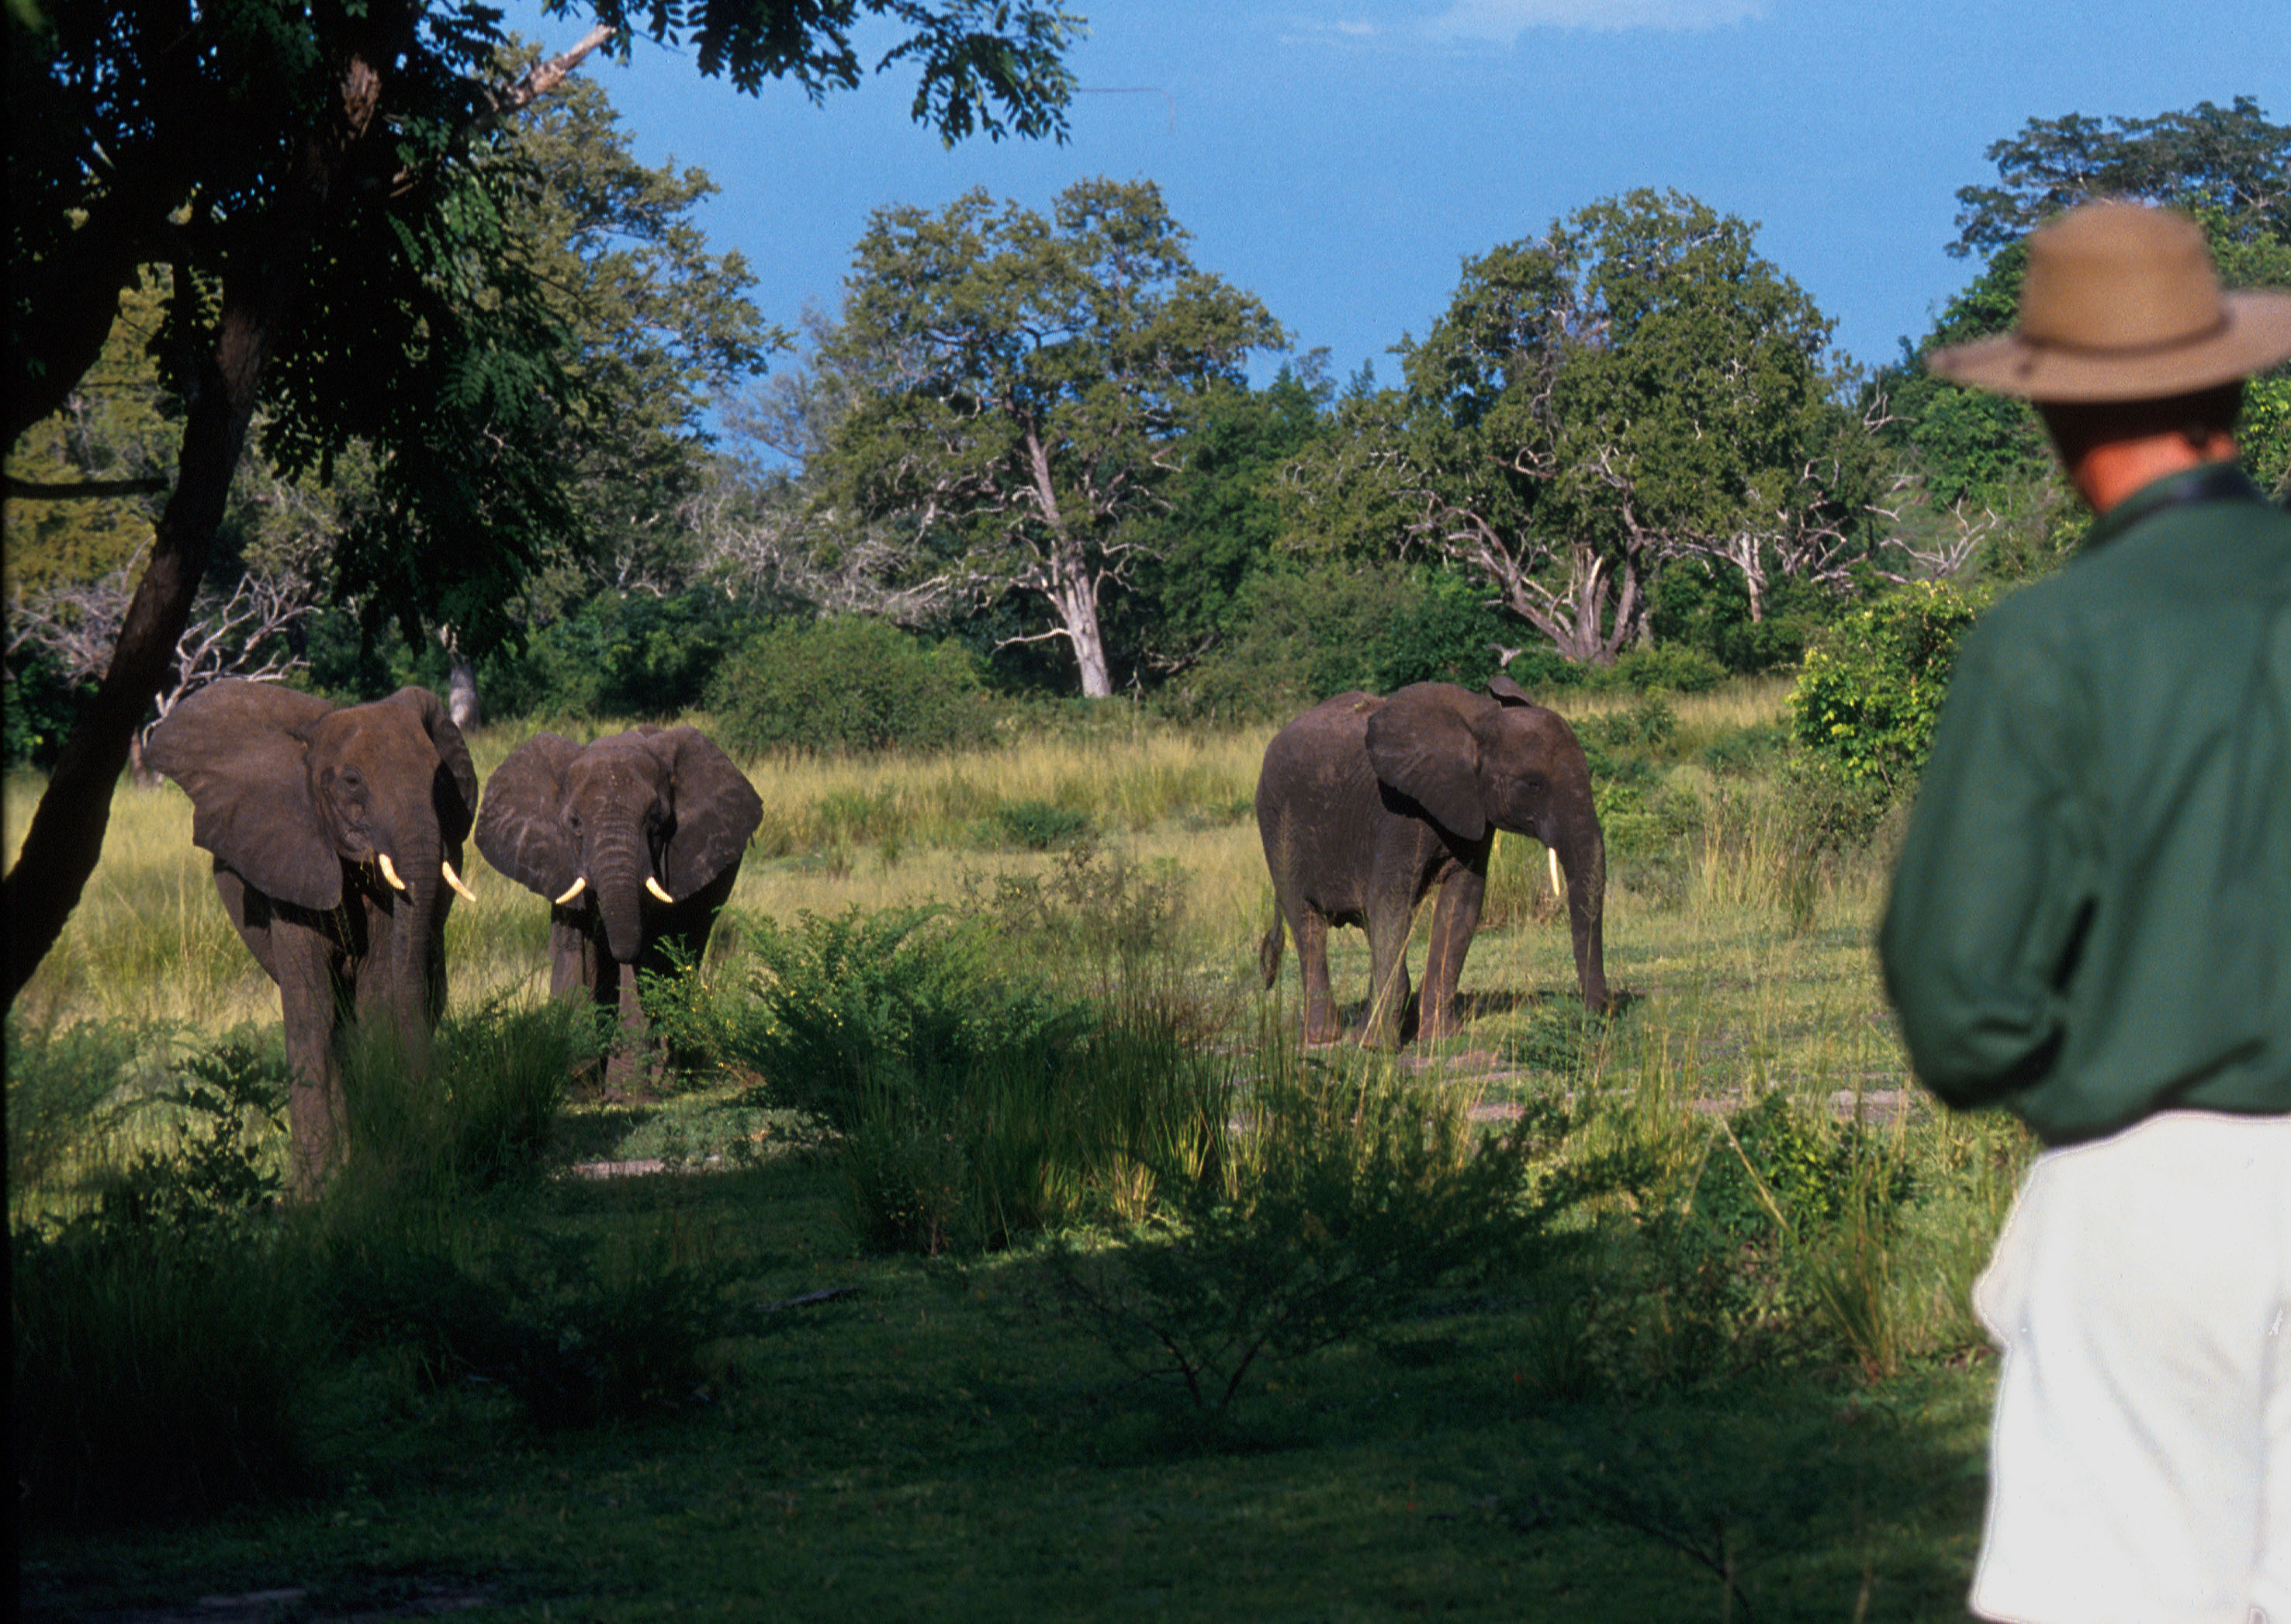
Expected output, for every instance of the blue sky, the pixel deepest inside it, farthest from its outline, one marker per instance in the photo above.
(1341, 158)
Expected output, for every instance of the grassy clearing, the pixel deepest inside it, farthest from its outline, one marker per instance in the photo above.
(1729, 1367)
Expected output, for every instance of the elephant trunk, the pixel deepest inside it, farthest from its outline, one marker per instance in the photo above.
(416, 974)
(617, 871)
(1582, 851)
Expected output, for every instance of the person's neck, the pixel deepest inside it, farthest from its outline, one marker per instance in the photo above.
(2111, 471)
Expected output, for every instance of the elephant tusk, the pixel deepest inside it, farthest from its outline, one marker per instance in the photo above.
(455, 880)
(573, 890)
(652, 886)
(388, 871)
(1556, 889)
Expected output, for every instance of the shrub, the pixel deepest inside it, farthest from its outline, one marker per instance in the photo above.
(1872, 687)
(1346, 1200)
(846, 684)
(486, 1107)
(578, 1329)
(1038, 826)
(157, 1371)
(57, 1081)
(1674, 668)
(623, 655)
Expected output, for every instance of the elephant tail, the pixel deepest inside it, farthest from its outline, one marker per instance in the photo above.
(1268, 952)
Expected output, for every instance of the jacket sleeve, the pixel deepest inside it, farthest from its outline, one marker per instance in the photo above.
(1998, 876)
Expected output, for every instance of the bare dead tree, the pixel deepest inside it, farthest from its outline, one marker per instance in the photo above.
(242, 633)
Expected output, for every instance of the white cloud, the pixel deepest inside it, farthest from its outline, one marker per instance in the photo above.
(1507, 20)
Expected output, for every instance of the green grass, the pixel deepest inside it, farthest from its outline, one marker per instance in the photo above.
(1687, 1389)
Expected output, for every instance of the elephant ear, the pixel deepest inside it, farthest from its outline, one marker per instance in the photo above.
(1503, 688)
(457, 799)
(240, 750)
(521, 830)
(1419, 746)
(717, 809)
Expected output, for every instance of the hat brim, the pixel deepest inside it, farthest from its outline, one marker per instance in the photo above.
(2254, 336)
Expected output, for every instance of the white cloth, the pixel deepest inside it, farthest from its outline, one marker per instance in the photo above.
(2140, 1467)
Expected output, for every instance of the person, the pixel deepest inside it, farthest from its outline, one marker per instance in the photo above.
(2090, 926)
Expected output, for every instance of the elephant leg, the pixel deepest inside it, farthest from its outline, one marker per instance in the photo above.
(1310, 926)
(317, 1114)
(628, 1061)
(1388, 984)
(1455, 917)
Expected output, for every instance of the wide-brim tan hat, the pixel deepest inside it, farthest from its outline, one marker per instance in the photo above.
(2122, 302)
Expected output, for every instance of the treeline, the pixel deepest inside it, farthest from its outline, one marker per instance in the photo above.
(1025, 457)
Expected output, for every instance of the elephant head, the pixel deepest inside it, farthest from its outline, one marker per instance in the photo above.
(657, 812)
(313, 806)
(1473, 762)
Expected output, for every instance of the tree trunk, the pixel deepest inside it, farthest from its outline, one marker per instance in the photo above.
(66, 837)
(1073, 595)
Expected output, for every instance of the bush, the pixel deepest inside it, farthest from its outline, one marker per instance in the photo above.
(486, 1108)
(1672, 668)
(1038, 826)
(846, 684)
(165, 1341)
(57, 1081)
(157, 1371)
(1873, 684)
(620, 655)
(1347, 1199)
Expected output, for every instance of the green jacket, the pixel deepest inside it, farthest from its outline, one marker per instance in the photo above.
(2092, 918)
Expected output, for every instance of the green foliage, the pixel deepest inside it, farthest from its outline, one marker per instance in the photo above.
(1348, 1199)
(2229, 162)
(1556, 470)
(158, 1371)
(1224, 521)
(1301, 635)
(1873, 684)
(622, 655)
(484, 1112)
(59, 1079)
(579, 1329)
(883, 998)
(1038, 827)
(219, 1167)
(845, 684)
(1023, 383)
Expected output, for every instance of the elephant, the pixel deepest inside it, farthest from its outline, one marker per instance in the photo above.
(1366, 804)
(636, 840)
(335, 834)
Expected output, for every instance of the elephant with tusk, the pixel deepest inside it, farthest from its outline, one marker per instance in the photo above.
(636, 840)
(334, 834)
(1366, 804)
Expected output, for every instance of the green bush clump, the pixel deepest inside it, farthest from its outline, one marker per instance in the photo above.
(621, 654)
(1667, 668)
(157, 1372)
(484, 1110)
(163, 1338)
(1874, 681)
(1347, 1199)
(1776, 1246)
(846, 684)
(59, 1080)
(578, 1329)
(1038, 827)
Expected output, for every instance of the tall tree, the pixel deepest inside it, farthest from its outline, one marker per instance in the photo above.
(320, 181)
(1986, 479)
(1637, 384)
(1026, 383)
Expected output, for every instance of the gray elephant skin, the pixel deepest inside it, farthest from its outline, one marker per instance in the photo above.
(336, 836)
(636, 840)
(1366, 804)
